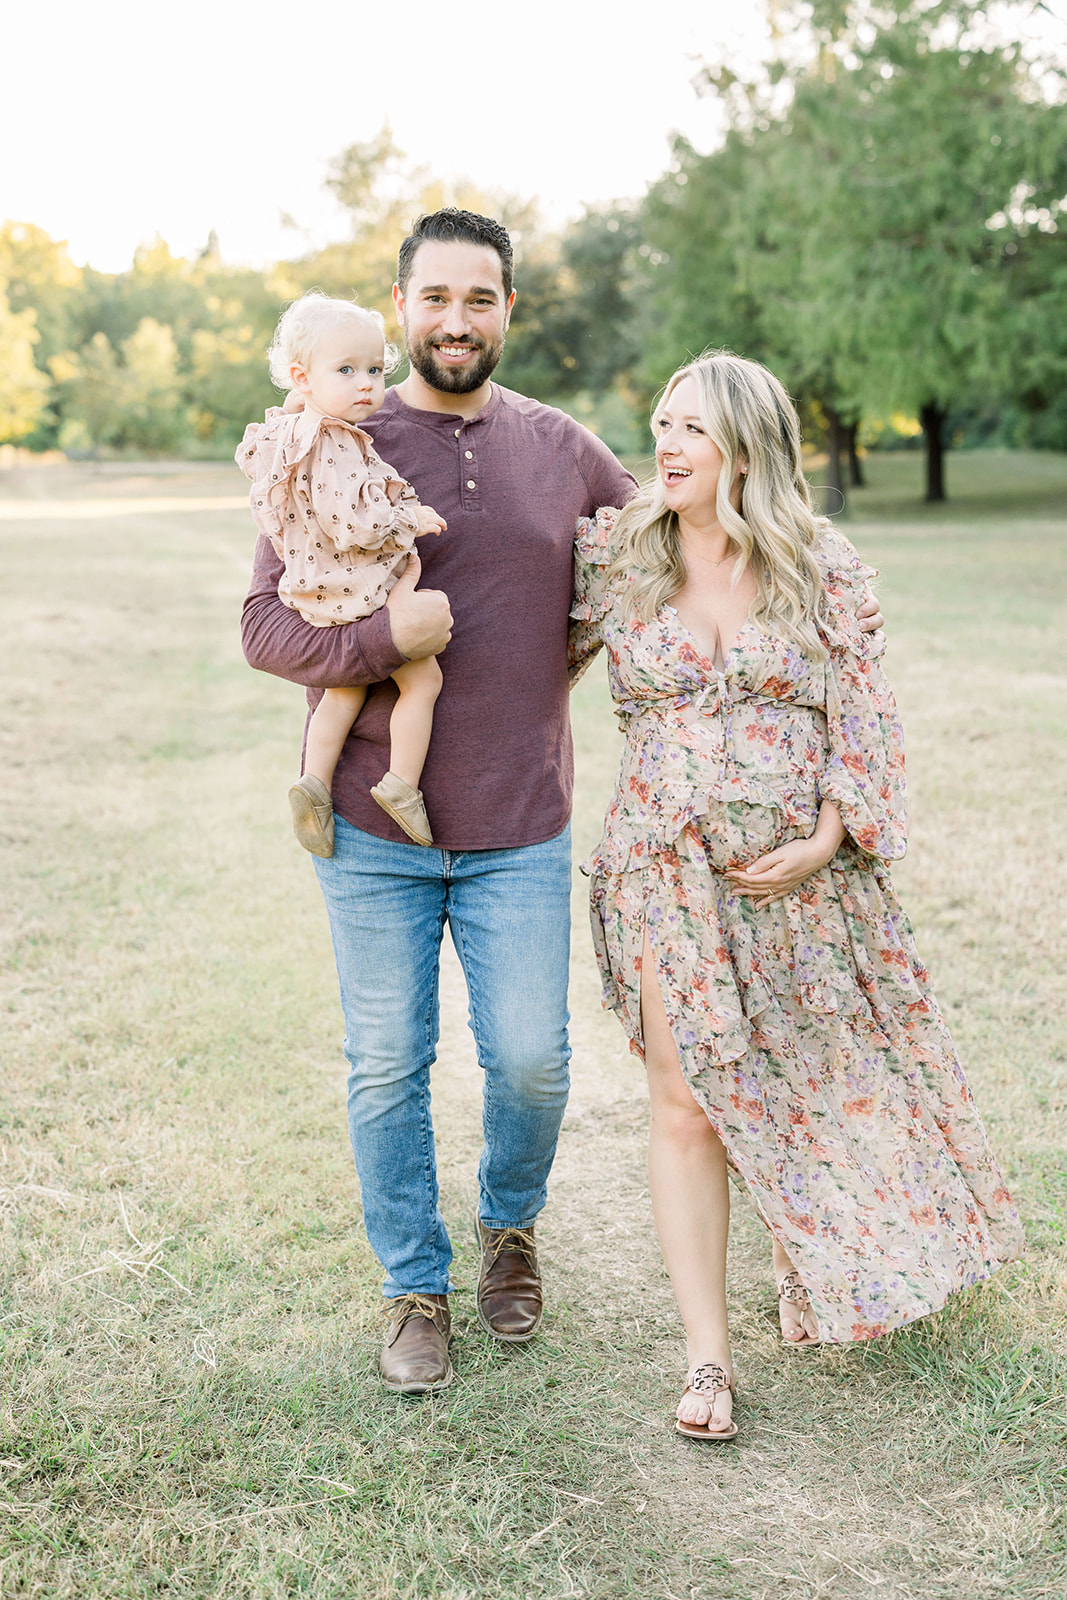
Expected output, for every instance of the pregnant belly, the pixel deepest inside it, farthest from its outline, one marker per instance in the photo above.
(736, 832)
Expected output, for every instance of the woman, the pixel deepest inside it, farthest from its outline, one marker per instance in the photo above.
(746, 927)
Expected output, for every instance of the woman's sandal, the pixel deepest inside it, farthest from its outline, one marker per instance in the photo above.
(707, 1381)
(794, 1293)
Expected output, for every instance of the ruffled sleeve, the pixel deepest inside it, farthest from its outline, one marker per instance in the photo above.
(592, 593)
(304, 464)
(260, 457)
(356, 499)
(863, 773)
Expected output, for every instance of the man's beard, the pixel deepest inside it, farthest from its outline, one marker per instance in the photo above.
(455, 380)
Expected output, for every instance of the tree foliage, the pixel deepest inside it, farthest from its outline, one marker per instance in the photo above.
(869, 220)
(23, 387)
(882, 224)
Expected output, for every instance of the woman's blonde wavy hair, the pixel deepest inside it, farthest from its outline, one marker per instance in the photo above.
(750, 418)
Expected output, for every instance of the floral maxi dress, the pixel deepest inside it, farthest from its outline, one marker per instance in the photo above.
(807, 1030)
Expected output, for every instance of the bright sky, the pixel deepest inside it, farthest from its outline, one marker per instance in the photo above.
(130, 118)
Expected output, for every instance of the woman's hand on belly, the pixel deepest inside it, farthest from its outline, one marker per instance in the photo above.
(782, 870)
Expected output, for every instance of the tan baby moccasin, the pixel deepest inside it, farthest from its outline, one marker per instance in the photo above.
(404, 804)
(309, 801)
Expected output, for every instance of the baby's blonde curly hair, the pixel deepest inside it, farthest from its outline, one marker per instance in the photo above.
(303, 323)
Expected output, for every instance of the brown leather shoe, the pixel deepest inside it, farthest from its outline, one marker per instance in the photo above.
(414, 1358)
(509, 1284)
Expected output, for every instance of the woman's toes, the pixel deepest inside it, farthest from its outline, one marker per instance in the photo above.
(694, 1409)
(706, 1411)
(719, 1420)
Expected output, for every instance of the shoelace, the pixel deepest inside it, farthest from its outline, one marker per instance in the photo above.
(520, 1240)
(406, 1306)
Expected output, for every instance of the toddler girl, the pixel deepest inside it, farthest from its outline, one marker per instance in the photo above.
(345, 525)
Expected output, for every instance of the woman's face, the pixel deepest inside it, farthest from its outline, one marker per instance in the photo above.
(689, 463)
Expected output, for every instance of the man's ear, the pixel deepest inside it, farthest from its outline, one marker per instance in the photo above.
(507, 310)
(398, 302)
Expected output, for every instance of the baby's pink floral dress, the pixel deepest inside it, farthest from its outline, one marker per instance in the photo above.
(807, 1030)
(338, 516)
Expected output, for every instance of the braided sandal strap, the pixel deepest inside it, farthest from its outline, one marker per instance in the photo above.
(792, 1290)
(709, 1379)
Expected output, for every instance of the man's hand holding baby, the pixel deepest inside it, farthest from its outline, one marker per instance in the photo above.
(420, 620)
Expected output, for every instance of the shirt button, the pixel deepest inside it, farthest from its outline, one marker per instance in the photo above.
(471, 483)
(457, 433)
(469, 454)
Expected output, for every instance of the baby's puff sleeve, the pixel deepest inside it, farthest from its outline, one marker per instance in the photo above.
(863, 773)
(357, 500)
(592, 592)
(261, 457)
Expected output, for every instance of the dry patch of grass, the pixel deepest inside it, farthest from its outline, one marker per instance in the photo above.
(188, 1314)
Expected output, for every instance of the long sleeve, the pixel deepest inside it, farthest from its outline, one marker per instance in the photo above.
(864, 769)
(592, 600)
(277, 639)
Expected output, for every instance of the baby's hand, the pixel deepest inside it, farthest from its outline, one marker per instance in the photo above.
(430, 522)
(294, 401)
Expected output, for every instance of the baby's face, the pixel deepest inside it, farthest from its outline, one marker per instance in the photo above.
(346, 375)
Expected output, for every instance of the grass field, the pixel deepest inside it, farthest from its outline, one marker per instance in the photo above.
(188, 1311)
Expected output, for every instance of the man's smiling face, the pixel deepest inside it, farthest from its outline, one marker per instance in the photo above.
(454, 314)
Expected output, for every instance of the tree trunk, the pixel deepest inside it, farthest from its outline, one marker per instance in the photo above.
(835, 440)
(932, 416)
(855, 465)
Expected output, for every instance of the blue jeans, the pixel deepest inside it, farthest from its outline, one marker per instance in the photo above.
(509, 915)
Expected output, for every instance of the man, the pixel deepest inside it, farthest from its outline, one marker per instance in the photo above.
(510, 477)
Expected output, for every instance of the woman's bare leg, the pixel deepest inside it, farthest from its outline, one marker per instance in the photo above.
(331, 723)
(411, 722)
(690, 1200)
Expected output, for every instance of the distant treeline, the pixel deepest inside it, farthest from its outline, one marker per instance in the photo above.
(884, 225)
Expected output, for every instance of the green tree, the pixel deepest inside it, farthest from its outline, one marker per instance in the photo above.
(88, 396)
(135, 404)
(920, 290)
(575, 337)
(228, 383)
(41, 278)
(850, 231)
(23, 389)
(154, 414)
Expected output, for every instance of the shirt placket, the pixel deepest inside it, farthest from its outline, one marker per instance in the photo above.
(470, 486)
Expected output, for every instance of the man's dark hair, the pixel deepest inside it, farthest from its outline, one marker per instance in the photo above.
(452, 225)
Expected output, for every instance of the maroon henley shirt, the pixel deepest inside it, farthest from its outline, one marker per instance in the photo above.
(511, 483)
